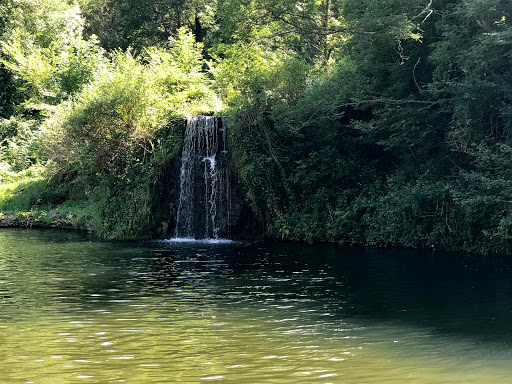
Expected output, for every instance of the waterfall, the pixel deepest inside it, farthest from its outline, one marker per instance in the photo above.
(203, 207)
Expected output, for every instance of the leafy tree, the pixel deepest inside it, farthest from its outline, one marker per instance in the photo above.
(127, 103)
(382, 122)
(44, 49)
(134, 23)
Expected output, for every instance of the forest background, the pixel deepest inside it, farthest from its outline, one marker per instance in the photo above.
(377, 122)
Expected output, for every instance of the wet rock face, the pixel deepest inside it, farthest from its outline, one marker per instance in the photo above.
(210, 200)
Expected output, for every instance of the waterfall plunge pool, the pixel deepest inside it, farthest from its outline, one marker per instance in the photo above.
(77, 310)
(198, 241)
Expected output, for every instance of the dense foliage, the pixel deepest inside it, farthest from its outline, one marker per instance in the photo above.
(382, 122)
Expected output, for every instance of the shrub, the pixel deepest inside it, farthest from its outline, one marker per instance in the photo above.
(20, 143)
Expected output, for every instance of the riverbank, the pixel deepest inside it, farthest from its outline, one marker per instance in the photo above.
(130, 209)
(47, 219)
(26, 202)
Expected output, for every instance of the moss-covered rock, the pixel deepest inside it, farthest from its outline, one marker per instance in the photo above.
(43, 219)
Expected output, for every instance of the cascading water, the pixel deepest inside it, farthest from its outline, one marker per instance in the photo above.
(203, 207)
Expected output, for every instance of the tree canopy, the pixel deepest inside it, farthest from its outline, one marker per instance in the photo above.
(383, 122)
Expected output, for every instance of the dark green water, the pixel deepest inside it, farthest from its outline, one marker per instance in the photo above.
(77, 310)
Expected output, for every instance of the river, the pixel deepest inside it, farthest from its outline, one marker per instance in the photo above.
(74, 309)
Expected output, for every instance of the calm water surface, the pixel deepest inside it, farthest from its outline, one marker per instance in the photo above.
(77, 310)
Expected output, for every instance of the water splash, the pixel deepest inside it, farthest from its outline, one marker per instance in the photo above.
(183, 240)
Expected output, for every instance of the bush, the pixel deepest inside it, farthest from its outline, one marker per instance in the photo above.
(20, 192)
(120, 111)
(20, 144)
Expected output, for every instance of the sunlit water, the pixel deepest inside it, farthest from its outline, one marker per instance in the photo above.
(77, 310)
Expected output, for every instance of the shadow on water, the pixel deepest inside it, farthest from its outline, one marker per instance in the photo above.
(74, 309)
(464, 295)
(448, 294)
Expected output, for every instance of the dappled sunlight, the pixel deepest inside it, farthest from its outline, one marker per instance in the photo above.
(19, 192)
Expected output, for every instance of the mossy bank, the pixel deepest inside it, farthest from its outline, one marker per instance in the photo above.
(42, 219)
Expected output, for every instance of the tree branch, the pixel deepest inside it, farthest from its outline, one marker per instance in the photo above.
(390, 101)
(414, 74)
(426, 10)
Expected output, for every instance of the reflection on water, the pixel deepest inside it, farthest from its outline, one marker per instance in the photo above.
(74, 309)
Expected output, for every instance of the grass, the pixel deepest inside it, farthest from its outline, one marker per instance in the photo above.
(21, 192)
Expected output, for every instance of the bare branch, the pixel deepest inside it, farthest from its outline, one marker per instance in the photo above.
(425, 11)
(390, 101)
(414, 73)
